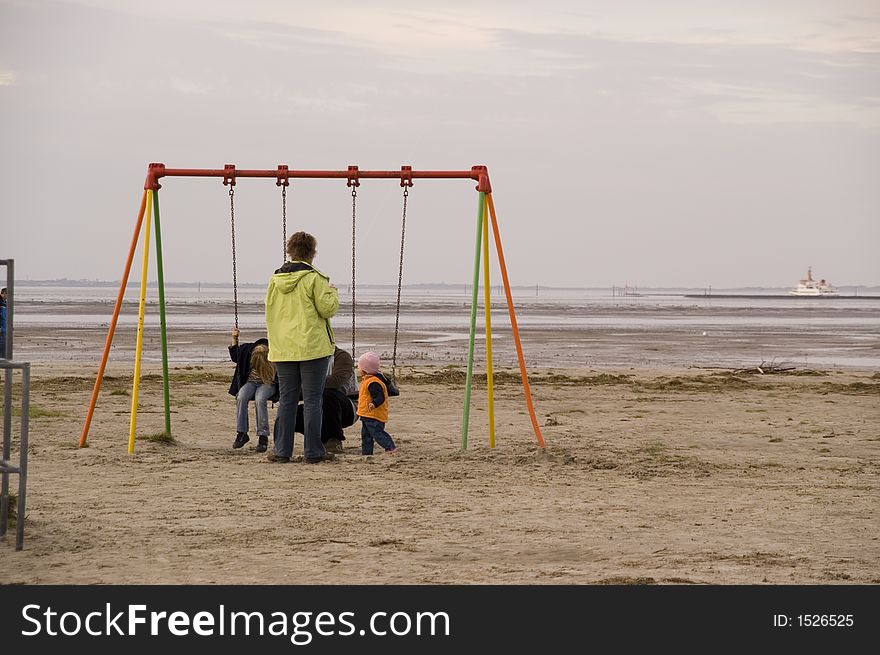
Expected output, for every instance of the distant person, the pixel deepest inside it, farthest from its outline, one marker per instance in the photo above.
(299, 304)
(3, 323)
(254, 379)
(339, 402)
(373, 405)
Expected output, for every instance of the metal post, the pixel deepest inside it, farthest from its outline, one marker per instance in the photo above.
(6, 466)
(7, 444)
(23, 454)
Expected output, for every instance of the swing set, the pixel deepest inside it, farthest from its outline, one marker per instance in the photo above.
(353, 176)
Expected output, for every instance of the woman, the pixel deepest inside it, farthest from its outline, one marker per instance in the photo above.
(254, 379)
(299, 304)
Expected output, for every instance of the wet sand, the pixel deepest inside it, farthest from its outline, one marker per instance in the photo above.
(807, 336)
(654, 471)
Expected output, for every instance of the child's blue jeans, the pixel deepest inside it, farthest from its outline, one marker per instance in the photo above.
(374, 431)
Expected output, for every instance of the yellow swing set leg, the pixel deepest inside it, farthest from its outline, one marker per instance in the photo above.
(140, 329)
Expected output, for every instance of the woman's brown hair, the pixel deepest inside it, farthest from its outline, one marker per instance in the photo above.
(302, 246)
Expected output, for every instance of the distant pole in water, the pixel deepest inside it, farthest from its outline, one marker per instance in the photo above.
(536, 291)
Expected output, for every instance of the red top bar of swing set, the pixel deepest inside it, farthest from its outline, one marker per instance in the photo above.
(282, 174)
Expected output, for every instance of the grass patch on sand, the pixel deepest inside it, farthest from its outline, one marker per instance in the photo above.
(456, 375)
(653, 448)
(38, 412)
(116, 385)
(159, 437)
(195, 376)
(852, 389)
(716, 383)
(13, 511)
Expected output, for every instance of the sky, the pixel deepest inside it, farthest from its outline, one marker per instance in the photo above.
(689, 143)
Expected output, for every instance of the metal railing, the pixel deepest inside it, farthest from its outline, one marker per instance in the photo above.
(7, 466)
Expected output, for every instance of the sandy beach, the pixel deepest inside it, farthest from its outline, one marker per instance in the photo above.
(659, 468)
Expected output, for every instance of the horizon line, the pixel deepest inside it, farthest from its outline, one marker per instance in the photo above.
(456, 285)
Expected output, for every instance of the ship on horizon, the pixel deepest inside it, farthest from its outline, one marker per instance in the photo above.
(810, 287)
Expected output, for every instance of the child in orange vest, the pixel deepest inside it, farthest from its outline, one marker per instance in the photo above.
(373, 405)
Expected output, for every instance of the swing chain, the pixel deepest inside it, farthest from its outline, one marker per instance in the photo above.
(353, 261)
(399, 282)
(283, 224)
(234, 265)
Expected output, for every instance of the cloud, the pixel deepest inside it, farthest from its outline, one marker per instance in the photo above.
(751, 105)
(734, 82)
(7, 78)
(189, 86)
(323, 101)
(280, 37)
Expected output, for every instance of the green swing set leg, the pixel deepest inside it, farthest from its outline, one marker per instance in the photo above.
(470, 363)
(160, 267)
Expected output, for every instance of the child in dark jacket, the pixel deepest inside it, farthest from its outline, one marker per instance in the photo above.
(375, 389)
(254, 379)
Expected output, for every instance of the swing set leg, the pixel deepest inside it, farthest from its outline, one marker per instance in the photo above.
(97, 389)
(470, 361)
(512, 312)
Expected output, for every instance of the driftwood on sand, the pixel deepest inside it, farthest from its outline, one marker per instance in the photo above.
(764, 368)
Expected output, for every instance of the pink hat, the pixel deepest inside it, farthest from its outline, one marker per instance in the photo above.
(369, 362)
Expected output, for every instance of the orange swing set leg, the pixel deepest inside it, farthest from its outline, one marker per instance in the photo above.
(519, 350)
(112, 329)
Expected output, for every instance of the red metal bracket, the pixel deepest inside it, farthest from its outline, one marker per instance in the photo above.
(229, 175)
(353, 176)
(154, 172)
(283, 176)
(406, 176)
(481, 174)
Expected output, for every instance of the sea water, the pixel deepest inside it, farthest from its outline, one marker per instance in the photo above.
(666, 327)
